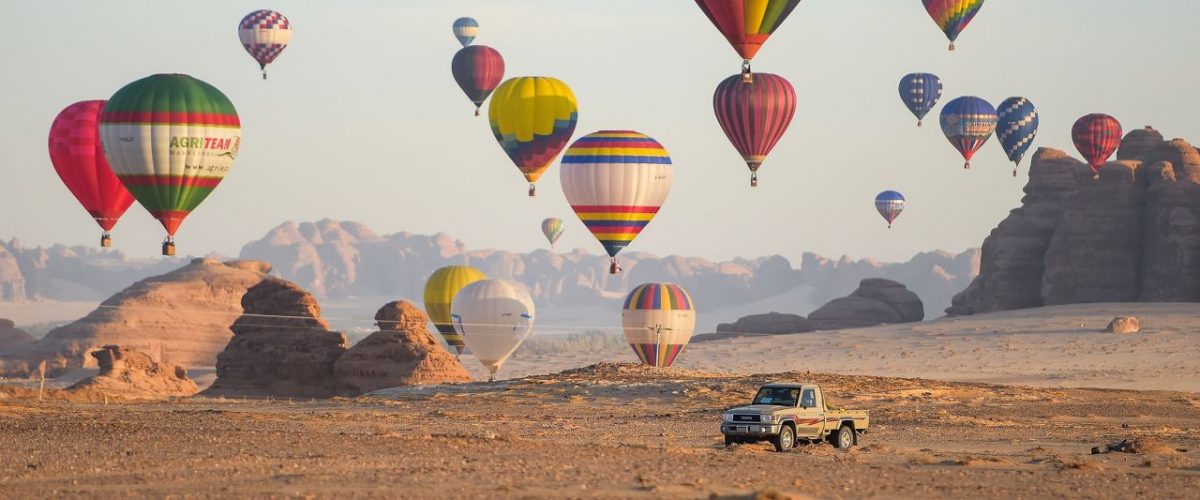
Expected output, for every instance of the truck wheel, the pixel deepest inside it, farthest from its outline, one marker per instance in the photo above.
(785, 440)
(845, 438)
(728, 441)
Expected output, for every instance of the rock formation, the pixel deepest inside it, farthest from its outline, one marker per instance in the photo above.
(877, 301)
(70, 273)
(771, 323)
(130, 374)
(12, 282)
(181, 317)
(1131, 235)
(402, 352)
(1124, 324)
(11, 336)
(280, 348)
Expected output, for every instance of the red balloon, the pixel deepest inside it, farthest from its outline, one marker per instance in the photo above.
(1097, 136)
(755, 115)
(78, 157)
(478, 69)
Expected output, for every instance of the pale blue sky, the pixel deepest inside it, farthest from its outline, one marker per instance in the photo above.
(361, 119)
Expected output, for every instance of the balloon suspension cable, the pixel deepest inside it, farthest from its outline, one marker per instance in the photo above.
(105, 240)
(613, 268)
(532, 189)
(753, 179)
(747, 76)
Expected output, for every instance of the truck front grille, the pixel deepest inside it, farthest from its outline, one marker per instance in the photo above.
(745, 418)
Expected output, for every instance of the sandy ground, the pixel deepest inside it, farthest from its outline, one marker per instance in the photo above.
(609, 431)
(1047, 347)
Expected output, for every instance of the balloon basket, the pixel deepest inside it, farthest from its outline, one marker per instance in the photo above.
(613, 268)
(532, 190)
(920, 123)
(168, 248)
(951, 46)
(967, 166)
(754, 180)
(476, 110)
(747, 76)
(105, 240)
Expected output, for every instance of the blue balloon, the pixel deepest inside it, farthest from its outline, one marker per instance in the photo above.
(920, 93)
(1016, 128)
(890, 204)
(968, 123)
(465, 30)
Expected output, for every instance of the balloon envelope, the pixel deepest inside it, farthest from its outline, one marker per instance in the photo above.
(968, 123)
(658, 319)
(533, 117)
(920, 93)
(477, 69)
(78, 157)
(1097, 136)
(170, 139)
(1016, 127)
(553, 229)
(440, 289)
(754, 115)
(616, 181)
(493, 317)
(747, 24)
(264, 34)
(889, 204)
(952, 16)
(465, 30)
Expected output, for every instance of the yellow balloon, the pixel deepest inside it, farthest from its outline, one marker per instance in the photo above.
(440, 289)
(533, 118)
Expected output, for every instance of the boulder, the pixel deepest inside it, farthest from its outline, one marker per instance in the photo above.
(11, 336)
(181, 317)
(280, 348)
(772, 323)
(130, 374)
(402, 352)
(877, 301)
(1124, 324)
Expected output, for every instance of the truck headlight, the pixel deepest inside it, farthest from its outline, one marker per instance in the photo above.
(729, 417)
(766, 419)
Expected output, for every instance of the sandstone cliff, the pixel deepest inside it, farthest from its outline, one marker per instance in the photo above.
(402, 352)
(1131, 235)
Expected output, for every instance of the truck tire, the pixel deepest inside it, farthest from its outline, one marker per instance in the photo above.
(786, 438)
(845, 438)
(728, 441)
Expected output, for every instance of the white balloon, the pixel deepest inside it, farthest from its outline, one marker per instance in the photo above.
(493, 317)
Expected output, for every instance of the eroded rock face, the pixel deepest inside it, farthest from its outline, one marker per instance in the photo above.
(130, 374)
(11, 336)
(182, 317)
(1131, 235)
(281, 347)
(402, 352)
(771, 323)
(877, 301)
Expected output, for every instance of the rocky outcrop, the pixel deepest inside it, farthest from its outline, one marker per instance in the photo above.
(1124, 324)
(11, 336)
(280, 347)
(402, 352)
(12, 282)
(1131, 235)
(75, 273)
(182, 317)
(772, 323)
(130, 374)
(877, 301)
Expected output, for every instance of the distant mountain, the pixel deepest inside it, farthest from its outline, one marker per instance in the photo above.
(70, 273)
(343, 259)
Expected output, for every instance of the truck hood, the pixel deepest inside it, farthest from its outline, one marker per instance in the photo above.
(758, 409)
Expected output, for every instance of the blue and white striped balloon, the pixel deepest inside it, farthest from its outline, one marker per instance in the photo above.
(1016, 128)
(465, 30)
(920, 92)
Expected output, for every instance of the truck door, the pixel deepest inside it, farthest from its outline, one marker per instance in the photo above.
(810, 421)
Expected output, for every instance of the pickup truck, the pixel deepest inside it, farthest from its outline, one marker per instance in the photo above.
(787, 413)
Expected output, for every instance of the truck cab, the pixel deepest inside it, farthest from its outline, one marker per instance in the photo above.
(787, 413)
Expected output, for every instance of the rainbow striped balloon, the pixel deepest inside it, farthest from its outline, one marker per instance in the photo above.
(616, 181)
(952, 16)
(658, 319)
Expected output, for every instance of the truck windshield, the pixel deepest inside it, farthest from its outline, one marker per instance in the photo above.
(780, 396)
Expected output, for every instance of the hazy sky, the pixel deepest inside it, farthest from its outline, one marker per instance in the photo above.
(361, 119)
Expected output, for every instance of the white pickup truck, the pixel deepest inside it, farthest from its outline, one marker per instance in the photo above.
(787, 413)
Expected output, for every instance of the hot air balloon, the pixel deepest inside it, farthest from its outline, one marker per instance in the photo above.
(658, 319)
(532, 118)
(78, 157)
(1016, 127)
(952, 16)
(616, 180)
(747, 24)
(1097, 136)
(477, 69)
(440, 289)
(968, 122)
(889, 204)
(920, 93)
(553, 229)
(264, 34)
(465, 30)
(170, 139)
(493, 317)
(754, 116)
